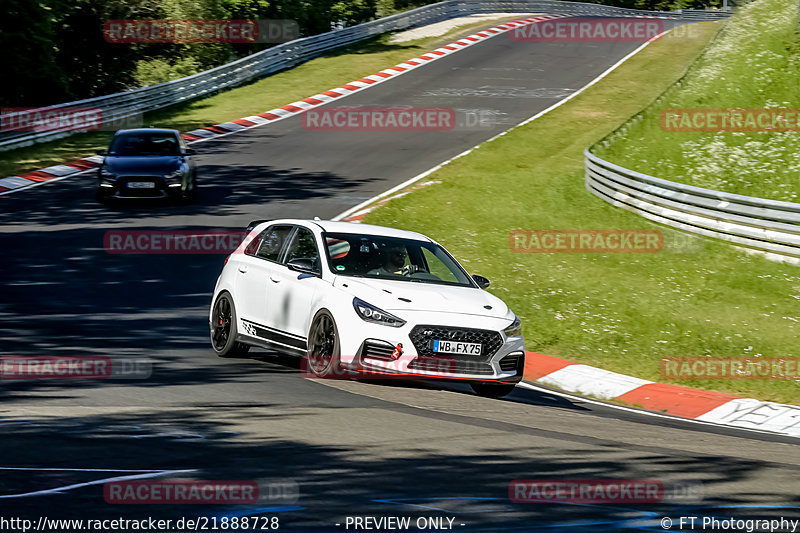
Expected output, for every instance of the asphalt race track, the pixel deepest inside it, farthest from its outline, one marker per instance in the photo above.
(345, 448)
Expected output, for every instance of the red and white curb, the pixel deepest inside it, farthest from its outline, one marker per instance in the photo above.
(700, 405)
(54, 173)
(17, 183)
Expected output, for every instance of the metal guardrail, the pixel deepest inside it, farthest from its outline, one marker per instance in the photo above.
(119, 106)
(769, 226)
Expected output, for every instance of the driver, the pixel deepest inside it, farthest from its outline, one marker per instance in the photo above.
(394, 263)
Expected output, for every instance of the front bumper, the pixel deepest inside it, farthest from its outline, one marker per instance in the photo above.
(502, 358)
(160, 187)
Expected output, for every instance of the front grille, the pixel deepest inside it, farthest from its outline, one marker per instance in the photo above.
(423, 337)
(446, 364)
(377, 349)
(511, 363)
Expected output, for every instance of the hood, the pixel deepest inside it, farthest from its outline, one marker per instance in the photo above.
(409, 296)
(156, 165)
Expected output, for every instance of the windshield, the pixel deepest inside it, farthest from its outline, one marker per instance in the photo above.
(144, 143)
(372, 256)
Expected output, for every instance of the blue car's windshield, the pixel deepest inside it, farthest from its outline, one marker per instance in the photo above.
(144, 143)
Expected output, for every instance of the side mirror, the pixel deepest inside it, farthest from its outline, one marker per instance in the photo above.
(102, 152)
(482, 282)
(304, 266)
(189, 151)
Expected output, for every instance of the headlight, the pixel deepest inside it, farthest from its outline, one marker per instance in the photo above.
(370, 313)
(174, 175)
(106, 174)
(515, 329)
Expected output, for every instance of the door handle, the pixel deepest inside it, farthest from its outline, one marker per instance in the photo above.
(243, 269)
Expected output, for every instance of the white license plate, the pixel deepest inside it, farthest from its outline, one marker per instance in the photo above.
(141, 185)
(463, 348)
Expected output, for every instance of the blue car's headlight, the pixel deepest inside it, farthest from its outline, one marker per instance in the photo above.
(174, 175)
(107, 174)
(370, 313)
(515, 329)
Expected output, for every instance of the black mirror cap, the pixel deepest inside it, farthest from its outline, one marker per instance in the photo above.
(304, 266)
(102, 152)
(482, 282)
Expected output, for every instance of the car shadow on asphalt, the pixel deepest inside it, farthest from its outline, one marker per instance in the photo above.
(342, 469)
(223, 190)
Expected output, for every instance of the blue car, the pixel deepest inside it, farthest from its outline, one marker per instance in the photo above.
(147, 163)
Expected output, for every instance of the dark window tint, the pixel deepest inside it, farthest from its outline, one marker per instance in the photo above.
(144, 143)
(271, 242)
(303, 246)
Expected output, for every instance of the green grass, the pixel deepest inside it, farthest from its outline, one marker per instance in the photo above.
(622, 312)
(332, 70)
(755, 63)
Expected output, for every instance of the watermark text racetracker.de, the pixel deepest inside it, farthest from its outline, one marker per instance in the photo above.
(730, 120)
(12, 524)
(201, 31)
(589, 29)
(586, 241)
(65, 118)
(710, 523)
(604, 491)
(215, 241)
(73, 367)
(379, 119)
(202, 492)
(604, 29)
(726, 368)
(387, 119)
(602, 241)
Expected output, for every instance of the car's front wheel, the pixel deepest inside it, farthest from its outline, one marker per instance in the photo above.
(223, 329)
(101, 196)
(323, 345)
(189, 196)
(492, 390)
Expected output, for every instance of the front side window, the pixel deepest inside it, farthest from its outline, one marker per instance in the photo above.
(269, 243)
(304, 246)
(372, 256)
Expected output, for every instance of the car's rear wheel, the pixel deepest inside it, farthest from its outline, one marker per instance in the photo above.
(223, 329)
(323, 345)
(492, 390)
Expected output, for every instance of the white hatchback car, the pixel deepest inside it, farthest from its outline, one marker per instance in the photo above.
(367, 299)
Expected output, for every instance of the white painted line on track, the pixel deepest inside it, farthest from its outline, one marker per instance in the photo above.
(57, 490)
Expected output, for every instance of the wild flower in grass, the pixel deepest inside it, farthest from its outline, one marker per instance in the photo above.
(752, 64)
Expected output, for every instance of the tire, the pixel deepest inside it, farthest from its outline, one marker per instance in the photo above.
(492, 390)
(223, 329)
(188, 197)
(324, 348)
(101, 196)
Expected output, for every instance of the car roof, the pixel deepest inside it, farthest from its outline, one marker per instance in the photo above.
(331, 226)
(150, 130)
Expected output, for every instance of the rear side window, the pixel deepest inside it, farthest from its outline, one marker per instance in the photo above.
(269, 243)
